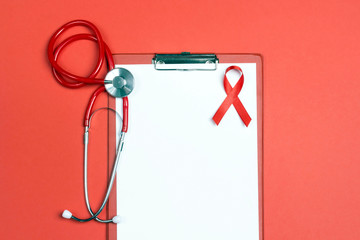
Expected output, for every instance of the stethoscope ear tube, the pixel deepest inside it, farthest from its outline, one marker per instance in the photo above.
(125, 114)
(91, 105)
(116, 219)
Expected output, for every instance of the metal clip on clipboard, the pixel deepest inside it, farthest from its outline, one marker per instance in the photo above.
(185, 62)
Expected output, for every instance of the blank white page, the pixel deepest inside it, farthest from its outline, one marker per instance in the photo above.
(181, 177)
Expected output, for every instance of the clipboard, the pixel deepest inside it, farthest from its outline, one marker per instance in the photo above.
(178, 198)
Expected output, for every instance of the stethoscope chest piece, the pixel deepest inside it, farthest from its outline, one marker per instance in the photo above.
(119, 82)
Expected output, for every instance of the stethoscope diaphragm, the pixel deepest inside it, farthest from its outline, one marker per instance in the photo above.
(119, 82)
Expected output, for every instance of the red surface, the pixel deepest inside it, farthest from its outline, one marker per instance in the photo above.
(311, 93)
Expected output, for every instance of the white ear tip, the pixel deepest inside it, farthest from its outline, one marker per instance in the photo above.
(116, 219)
(66, 214)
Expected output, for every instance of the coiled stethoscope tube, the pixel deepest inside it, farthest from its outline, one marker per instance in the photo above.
(118, 83)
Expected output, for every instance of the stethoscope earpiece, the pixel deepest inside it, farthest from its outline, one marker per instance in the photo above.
(68, 215)
(119, 82)
(116, 219)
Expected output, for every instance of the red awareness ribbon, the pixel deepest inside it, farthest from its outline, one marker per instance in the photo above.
(232, 98)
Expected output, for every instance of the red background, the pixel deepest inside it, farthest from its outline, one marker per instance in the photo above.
(311, 93)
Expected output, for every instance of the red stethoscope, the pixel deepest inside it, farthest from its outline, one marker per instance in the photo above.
(118, 82)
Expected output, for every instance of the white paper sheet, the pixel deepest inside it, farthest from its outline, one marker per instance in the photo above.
(181, 177)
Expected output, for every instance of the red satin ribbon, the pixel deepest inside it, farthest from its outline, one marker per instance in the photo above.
(232, 98)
